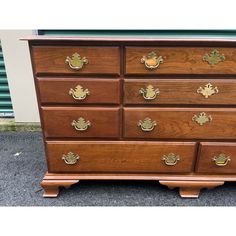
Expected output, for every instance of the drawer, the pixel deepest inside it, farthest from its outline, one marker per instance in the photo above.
(180, 60)
(76, 60)
(180, 91)
(111, 156)
(79, 91)
(81, 122)
(217, 158)
(202, 123)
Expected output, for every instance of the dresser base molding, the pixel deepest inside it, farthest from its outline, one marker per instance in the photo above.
(189, 184)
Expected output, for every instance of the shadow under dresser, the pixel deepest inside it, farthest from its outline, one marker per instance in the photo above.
(161, 109)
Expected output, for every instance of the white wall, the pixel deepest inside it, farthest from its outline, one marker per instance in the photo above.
(19, 73)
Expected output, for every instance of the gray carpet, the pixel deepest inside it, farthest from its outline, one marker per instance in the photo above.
(22, 166)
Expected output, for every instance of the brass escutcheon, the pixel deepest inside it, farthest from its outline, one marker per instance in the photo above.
(147, 124)
(70, 158)
(213, 58)
(79, 93)
(152, 61)
(208, 90)
(170, 159)
(221, 160)
(202, 118)
(76, 62)
(81, 124)
(149, 93)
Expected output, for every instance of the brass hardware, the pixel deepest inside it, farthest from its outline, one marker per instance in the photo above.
(208, 90)
(70, 158)
(149, 93)
(152, 61)
(147, 124)
(214, 58)
(76, 62)
(221, 160)
(79, 93)
(202, 118)
(170, 159)
(81, 124)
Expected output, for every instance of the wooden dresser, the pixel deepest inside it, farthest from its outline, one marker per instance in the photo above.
(137, 109)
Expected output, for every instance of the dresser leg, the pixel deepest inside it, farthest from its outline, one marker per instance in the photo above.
(51, 187)
(190, 189)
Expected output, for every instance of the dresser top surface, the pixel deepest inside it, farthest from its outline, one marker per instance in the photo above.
(130, 38)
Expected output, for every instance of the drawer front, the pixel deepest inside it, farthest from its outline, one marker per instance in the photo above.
(97, 156)
(79, 91)
(217, 158)
(180, 91)
(103, 60)
(202, 123)
(81, 122)
(180, 60)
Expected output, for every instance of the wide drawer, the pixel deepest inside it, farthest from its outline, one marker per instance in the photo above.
(217, 158)
(180, 91)
(79, 91)
(76, 60)
(202, 123)
(111, 156)
(180, 60)
(81, 122)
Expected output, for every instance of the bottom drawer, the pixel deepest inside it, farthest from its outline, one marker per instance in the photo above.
(119, 156)
(217, 158)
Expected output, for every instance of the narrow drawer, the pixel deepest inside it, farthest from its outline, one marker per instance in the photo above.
(217, 158)
(180, 91)
(79, 91)
(180, 60)
(76, 60)
(81, 122)
(111, 156)
(202, 123)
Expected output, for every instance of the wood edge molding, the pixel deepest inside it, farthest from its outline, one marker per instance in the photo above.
(190, 189)
(51, 187)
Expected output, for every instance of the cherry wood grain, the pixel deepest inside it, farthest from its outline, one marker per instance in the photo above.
(208, 150)
(101, 60)
(104, 122)
(111, 156)
(56, 90)
(180, 60)
(177, 123)
(180, 91)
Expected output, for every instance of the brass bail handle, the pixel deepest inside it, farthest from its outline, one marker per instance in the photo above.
(152, 60)
(70, 158)
(149, 93)
(81, 124)
(221, 160)
(147, 124)
(76, 62)
(79, 93)
(171, 159)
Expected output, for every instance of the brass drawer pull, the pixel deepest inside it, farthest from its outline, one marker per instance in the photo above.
(208, 90)
(79, 93)
(202, 118)
(149, 93)
(147, 124)
(152, 61)
(170, 159)
(81, 124)
(70, 158)
(221, 160)
(76, 62)
(213, 58)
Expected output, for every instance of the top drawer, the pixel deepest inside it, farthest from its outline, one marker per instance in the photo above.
(180, 60)
(76, 60)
